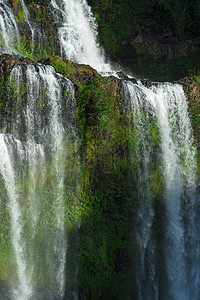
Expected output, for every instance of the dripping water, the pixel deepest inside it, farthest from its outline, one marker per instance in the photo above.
(9, 34)
(165, 105)
(162, 107)
(78, 34)
(33, 158)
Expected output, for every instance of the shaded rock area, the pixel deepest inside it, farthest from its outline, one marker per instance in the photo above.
(77, 73)
(191, 87)
(162, 42)
(5, 294)
(83, 74)
(7, 62)
(122, 260)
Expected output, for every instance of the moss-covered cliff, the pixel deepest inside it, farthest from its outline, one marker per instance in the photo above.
(108, 197)
(148, 38)
(108, 178)
(155, 39)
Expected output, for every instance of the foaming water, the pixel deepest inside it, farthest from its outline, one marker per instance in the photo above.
(33, 166)
(9, 34)
(35, 151)
(24, 290)
(10, 29)
(163, 107)
(78, 34)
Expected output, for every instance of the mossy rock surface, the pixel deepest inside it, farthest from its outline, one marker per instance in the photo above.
(191, 86)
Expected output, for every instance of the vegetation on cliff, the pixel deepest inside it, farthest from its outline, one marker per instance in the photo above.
(156, 39)
(107, 181)
(108, 184)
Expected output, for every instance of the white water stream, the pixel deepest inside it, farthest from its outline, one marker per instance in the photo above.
(9, 34)
(32, 168)
(36, 158)
(9, 31)
(24, 290)
(165, 105)
(78, 34)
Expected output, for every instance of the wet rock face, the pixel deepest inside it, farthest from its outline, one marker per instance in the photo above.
(7, 62)
(191, 87)
(162, 42)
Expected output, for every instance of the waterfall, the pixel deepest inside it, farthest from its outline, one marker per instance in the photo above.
(9, 34)
(33, 156)
(39, 170)
(31, 26)
(9, 28)
(78, 34)
(143, 118)
(161, 111)
(24, 289)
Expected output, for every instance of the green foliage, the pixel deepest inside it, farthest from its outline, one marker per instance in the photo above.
(182, 18)
(106, 195)
(4, 83)
(197, 79)
(5, 243)
(194, 107)
(184, 15)
(60, 66)
(39, 12)
(20, 17)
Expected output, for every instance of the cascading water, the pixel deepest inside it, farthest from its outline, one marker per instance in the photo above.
(162, 109)
(78, 34)
(32, 26)
(9, 34)
(36, 148)
(143, 118)
(9, 28)
(32, 166)
(24, 289)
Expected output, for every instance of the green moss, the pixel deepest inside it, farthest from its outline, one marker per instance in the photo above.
(60, 66)
(20, 17)
(39, 12)
(17, 90)
(33, 51)
(155, 135)
(105, 195)
(197, 79)
(42, 97)
(4, 83)
(5, 243)
(194, 107)
(156, 183)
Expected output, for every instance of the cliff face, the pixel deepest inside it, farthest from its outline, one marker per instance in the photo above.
(192, 90)
(155, 39)
(109, 181)
(107, 177)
